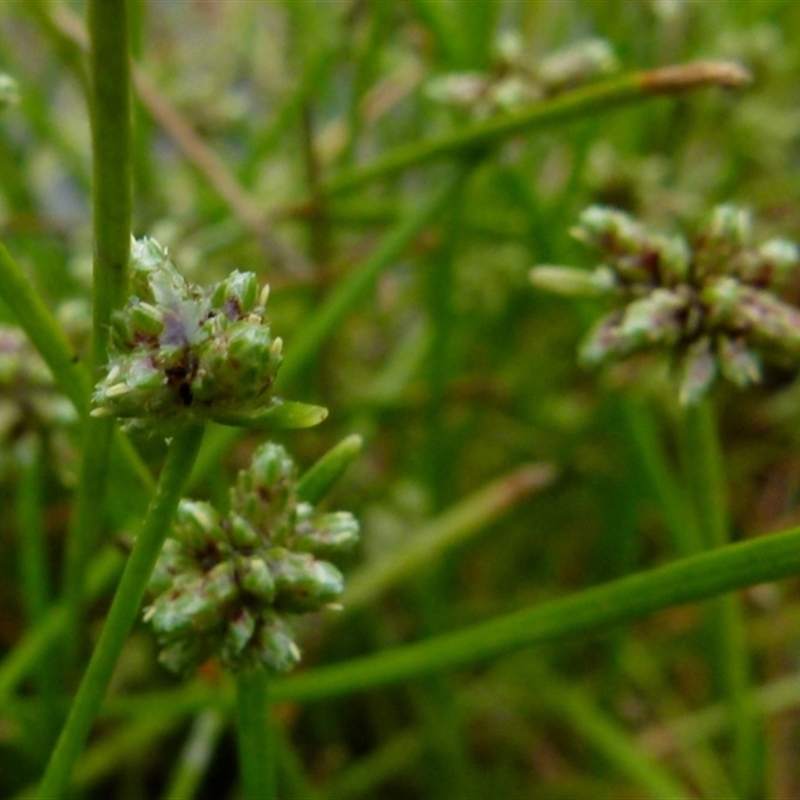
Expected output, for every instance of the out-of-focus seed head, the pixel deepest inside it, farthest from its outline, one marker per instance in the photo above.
(514, 81)
(713, 306)
(9, 91)
(576, 64)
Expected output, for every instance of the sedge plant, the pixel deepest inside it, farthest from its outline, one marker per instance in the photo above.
(397, 182)
(179, 357)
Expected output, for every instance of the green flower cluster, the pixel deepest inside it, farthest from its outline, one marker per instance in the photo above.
(227, 586)
(176, 349)
(714, 306)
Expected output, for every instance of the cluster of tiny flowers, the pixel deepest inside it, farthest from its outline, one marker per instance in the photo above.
(178, 349)
(714, 306)
(515, 81)
(228, 586)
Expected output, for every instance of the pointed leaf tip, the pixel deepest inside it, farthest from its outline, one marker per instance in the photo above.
(280, 415)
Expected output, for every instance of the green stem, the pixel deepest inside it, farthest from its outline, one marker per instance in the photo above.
(23, 301)
(582, 102)
(667, 490)
(86, 521)
(704, 471)
(256, 756)
(32, 648)
(32, 544)
(699, 577)
(31, 532)
(703, 461)
(111, 205)
(439, 277)
(608, 737)
(128, 598)
(676, 513)
(111, 164)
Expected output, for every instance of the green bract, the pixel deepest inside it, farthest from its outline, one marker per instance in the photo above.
(228, 586)
(714, 306)
(177, 349)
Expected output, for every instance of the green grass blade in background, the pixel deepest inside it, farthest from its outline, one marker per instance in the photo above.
(696, 578)
(452, 528)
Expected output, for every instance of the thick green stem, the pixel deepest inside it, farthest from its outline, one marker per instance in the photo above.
(87, 517)
(703, 461)
(127, 600)
(111, 205)
(31, 533)
(256, 756)
(111, 163)
(441, 319)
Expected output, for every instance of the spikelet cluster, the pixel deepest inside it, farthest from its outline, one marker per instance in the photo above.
(714, 306)
(177, 349)
(228, 586)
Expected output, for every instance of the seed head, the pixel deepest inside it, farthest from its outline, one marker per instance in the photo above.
(229, 586)
(177, 350)
(714, 306)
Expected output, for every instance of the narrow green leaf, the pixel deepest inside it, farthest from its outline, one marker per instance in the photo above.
(321, 477)
(702, 576)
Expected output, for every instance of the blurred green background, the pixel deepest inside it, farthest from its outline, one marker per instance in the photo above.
(253, 121)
